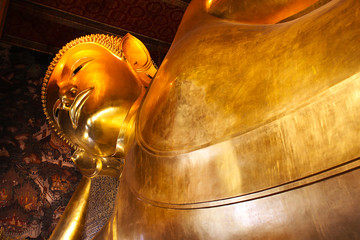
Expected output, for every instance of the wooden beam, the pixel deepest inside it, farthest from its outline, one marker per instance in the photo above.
(3, 9)
(21, 42)
(78, 22)
(179, 3)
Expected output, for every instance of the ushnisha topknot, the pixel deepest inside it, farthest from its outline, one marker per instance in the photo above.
(112, 43)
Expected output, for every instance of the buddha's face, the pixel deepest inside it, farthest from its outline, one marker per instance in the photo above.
(89, 95)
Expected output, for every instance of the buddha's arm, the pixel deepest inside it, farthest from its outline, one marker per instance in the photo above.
(204, 12)
(71, 224)
(256, 11)
(72, 221)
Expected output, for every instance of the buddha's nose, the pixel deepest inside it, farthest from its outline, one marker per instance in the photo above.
(67, 96)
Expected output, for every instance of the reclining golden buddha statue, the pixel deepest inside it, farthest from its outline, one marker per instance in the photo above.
(248, 130)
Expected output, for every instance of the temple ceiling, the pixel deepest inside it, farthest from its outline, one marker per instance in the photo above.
(47, 25)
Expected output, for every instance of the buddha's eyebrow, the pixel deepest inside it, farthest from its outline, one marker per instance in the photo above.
(82, 62)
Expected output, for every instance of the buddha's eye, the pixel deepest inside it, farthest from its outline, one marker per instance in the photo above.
(78, 68)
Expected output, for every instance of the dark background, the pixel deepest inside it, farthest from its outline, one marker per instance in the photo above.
(37, 177)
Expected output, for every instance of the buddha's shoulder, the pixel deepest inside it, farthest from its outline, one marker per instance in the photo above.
(318, 135)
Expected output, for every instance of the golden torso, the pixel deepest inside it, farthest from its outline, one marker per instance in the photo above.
(240, 122)
(225, 78)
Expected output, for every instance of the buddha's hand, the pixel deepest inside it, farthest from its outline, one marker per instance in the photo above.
(93, 165)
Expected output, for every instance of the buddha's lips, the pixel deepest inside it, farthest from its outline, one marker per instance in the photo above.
(76, 106)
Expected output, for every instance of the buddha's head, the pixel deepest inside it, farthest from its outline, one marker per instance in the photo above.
(92, 88)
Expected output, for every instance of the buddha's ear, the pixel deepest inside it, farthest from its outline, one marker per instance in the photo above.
(139, 58)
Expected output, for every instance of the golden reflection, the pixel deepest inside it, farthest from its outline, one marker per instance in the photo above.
(208, 4)
(249, 130)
